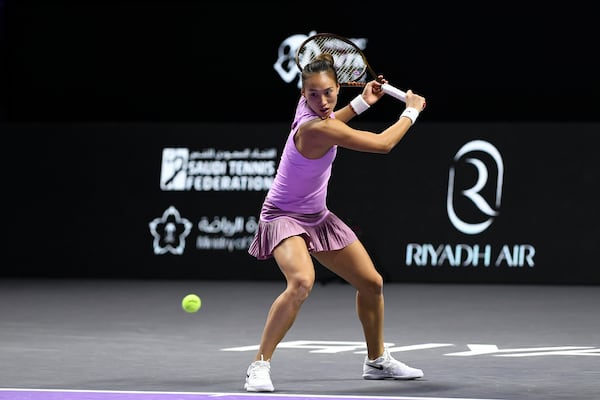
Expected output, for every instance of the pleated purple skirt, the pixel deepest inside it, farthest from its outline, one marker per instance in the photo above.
(323, 231)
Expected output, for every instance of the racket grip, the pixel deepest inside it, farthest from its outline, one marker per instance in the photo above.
(394, 92)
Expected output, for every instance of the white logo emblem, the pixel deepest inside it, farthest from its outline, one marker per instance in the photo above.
(173, 173)
(286, 58)
(169, 232)
(487, 209)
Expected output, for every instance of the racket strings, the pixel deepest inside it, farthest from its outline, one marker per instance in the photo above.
(348, 59)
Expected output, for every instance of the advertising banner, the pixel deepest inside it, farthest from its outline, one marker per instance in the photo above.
(488, 203)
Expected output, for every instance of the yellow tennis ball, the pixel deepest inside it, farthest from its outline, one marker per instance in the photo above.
(191, 303)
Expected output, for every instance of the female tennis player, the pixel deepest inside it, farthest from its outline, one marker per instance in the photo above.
(295, 224)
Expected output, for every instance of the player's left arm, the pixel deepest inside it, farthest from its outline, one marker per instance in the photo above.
(370, 95)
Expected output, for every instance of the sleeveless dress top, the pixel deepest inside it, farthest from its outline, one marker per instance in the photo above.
(296, 203)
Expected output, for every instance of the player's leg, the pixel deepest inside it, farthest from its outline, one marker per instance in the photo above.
(297, 266)
(354, 265)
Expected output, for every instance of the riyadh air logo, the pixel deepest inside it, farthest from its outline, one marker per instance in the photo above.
(475, 187)
(169, 232)
(285, 65)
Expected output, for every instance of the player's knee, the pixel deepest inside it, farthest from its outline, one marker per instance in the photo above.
(373, 286)
(301, 288)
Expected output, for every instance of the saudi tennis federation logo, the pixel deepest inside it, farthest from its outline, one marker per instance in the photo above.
(475, 187)
(169, 232)
(173, 173)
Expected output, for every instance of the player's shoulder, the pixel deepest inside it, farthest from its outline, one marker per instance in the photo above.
(320, 126)
(327, 132)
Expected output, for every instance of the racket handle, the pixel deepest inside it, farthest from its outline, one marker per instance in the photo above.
(392, 91)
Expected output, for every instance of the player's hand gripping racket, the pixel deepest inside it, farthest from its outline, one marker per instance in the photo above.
(350, 62)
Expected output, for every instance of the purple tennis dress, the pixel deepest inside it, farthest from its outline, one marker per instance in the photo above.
(296, 202)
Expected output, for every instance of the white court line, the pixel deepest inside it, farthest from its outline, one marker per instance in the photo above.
(271, 395)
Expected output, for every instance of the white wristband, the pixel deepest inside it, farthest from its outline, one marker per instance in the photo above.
(359, 105)
(410, 113)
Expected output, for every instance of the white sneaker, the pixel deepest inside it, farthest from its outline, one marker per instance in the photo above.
(258, 377)
(387, 367)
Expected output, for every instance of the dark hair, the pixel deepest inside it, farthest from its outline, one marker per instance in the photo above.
(322, 63)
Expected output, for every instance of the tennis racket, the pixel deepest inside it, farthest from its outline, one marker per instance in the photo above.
(349, 60)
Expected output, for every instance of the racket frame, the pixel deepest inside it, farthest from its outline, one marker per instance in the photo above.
(359, 73)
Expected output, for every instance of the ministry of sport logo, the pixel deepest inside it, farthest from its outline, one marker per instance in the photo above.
(169, 232)
(228, 233)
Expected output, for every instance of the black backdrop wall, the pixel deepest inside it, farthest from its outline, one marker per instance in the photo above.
(191, 61)
(492, 203)
(140, 138)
